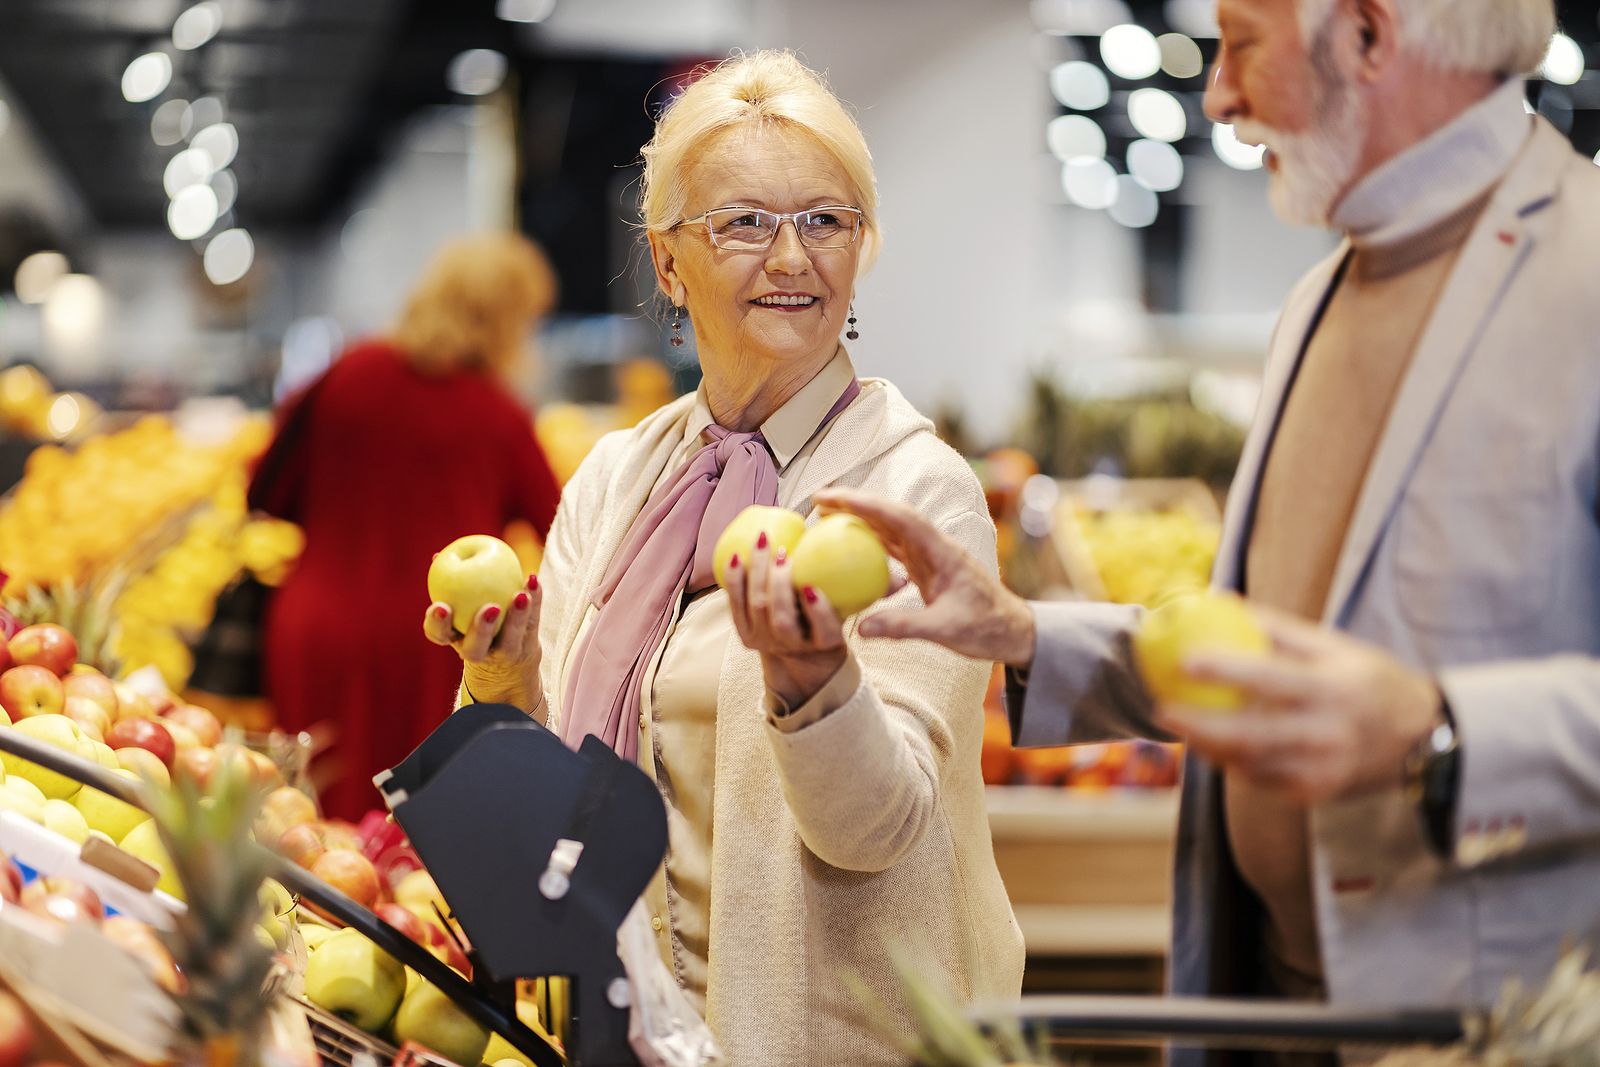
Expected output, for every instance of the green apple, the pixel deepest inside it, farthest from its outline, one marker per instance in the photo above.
(113, 817)
(66, 820)
(57, 730)
(144, 842)
(354, 979)
(473, 572)
(315, 935)
(782, 527)
(433, 1021)
(841, 558)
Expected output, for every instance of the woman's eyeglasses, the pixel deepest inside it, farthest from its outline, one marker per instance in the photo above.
(750, 229)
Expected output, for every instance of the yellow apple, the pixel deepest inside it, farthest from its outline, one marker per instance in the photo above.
(433, 1021)
(418, 887)
(473, 572)
(103, 754)
(144, 842)
(500, 1050)
(843, 560)
(57, 730)
(66, 820)
(355, 980)
(315, 934)
(1207, 622)
(27, 802)
(104, 812)
(145, 764)
(782, 527)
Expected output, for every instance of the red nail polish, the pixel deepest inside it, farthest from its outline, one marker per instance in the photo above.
(761, 542)
(734, 562)
(533, 582)
(782, 557)
(520, 601)
(810, 594)
(491, 613)
(441, 612)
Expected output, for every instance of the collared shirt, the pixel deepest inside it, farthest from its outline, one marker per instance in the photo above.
(679, 703)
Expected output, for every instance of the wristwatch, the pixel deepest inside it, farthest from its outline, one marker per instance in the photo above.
(1433, 772)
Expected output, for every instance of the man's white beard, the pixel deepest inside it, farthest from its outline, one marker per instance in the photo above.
(1314, 166)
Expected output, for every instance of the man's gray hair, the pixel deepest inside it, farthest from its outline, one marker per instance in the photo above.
(1502, 37)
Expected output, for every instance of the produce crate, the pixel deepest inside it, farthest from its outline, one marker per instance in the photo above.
(1102, 497)
(342, 1045)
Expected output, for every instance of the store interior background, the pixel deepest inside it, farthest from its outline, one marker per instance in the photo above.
(359, 153)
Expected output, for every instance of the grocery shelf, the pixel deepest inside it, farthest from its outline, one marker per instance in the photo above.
(1051, 813)
(1081, 930)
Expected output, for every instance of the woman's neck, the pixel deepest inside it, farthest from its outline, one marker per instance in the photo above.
(743, 393)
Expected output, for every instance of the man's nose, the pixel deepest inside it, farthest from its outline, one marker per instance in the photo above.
(1222, 102)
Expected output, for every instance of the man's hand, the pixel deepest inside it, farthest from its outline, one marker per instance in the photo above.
(967, 609)
(1326, 716)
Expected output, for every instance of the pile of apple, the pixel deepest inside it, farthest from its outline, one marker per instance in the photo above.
(138, 733)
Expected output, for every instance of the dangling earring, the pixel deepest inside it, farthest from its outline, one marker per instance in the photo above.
(677, 325)
(852, 333)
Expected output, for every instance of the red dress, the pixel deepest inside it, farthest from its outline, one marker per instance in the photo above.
(382, 467)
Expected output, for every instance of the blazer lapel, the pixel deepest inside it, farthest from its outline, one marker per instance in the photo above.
(1494, 252)
(1287, 348)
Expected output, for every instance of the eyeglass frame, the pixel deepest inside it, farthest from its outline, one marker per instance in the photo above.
(791, 217)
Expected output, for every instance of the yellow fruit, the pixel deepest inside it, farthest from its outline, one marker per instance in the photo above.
(66, 820)
(844, 561)
(473, 572)
(1180, 628)
(144, 842)
(783, 528)
(57, 730)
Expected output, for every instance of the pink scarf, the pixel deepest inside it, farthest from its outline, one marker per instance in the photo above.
(667, 552)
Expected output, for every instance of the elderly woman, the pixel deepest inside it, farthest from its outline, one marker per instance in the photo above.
(823, 793)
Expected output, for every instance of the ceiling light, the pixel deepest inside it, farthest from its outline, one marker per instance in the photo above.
(146, 77)
(1130, 52)
(525, 10)
(476, 72)
(1232, 152)
(220, 142)
(1090, 183)
(1157, 114)
(1079, 85)
(1075, 137)
(197, 25)
(1156, 164)
(203, 113)
(74, 312)
(1180, 56)
(1563, 61)
(1136, 206)
(38, 274)
(228, 257)
(192, 212)
(168, 123)
(226, 186)
(192, 166)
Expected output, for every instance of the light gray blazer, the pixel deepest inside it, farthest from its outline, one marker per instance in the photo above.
(1474, 553)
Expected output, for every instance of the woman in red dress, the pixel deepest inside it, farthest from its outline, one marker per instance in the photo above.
(403, 445)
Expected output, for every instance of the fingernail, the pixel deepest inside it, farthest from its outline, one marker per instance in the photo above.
(491, 613)
(761, 542)
(441, 612)
(533, 582)
(734, 562)
(782, 557)
(810, 594)
(520, 601)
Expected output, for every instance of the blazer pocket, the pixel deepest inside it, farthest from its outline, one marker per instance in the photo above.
(1474, 559)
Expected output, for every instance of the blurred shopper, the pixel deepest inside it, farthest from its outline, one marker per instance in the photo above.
(824, 798)
(406, 443)
(1409, 810)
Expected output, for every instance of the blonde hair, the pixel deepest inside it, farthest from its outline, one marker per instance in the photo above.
(768, 87)
(473, 306)
(1506, 38)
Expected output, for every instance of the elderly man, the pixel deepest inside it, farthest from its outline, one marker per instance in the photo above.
(1408, 809)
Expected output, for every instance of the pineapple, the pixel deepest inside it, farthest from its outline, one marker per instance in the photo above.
(216, 943)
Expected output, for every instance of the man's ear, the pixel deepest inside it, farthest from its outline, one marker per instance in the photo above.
(1378, 24)
(665, 262)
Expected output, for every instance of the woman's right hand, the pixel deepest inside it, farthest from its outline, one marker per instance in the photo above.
(498, 668)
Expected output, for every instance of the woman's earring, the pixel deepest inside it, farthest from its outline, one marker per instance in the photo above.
(677, 325)
(852, 333)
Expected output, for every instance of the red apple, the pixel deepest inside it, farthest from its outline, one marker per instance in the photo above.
(16, 1033)
(91, 718)
(10, 880)
(265, 771)
(342, 834)
(206, 726)
(197, 765)
(142, 733)
(403, 920)
(63, 900)
(46, 645)
(92, 685)
(350, 873)
(31, 690)
(145, 764)
(302, 844)
(182, 736)
(451, 954)
(5, 656)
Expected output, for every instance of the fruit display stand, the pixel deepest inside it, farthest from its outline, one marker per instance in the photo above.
(1135, 541)
(473, 1001)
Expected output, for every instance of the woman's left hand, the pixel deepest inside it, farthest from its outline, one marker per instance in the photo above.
(797, 632)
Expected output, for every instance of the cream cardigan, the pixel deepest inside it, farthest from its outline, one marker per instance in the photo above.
(863, 830)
